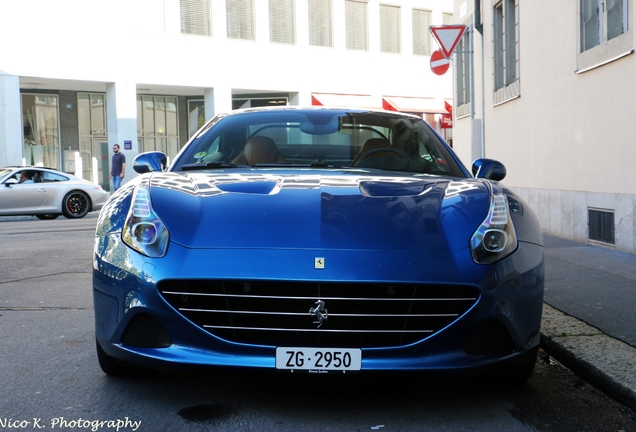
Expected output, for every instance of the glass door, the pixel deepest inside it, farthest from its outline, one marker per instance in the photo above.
(100, 164)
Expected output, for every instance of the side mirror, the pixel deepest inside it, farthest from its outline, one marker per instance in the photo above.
(10, 182)
(150, 162)
(489, 169)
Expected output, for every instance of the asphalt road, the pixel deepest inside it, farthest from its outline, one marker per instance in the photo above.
(50, 379)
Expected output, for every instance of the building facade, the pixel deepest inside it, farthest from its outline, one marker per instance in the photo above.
(82, 76)
(546, 87)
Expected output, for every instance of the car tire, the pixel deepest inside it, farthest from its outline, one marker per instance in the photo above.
(75, 205)
(46, 216)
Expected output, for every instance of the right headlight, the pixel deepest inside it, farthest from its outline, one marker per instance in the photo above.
(495, 238)
(143, 230)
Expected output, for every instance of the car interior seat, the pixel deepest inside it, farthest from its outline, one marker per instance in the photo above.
(373, 144)
(259, 150)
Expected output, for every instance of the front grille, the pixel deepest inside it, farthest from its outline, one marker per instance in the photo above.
(276, 313)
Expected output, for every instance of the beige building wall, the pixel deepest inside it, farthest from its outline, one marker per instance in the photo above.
(567, 138)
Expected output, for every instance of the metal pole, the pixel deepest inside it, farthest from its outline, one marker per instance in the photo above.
(483, 100)
(472, 94)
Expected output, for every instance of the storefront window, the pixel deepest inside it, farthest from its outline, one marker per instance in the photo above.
(41, 130)
(196, 115)
(93, 139)
(158, 125)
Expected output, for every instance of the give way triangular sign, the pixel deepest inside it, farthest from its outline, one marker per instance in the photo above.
(447, 36)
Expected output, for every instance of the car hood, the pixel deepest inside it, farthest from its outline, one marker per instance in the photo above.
(319, 210)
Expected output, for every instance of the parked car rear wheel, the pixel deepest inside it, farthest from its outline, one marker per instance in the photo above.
(76, 204)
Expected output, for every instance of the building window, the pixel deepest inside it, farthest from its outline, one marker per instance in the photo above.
(239, 15)
(422, 20)
(390, 29)
(462, 75)
(505, 40)
(602, 20)
(320, 23)
(158, 124)
(195, 17)
(356, 25)
(282, 21)
(506, 50)
(605, 32)
(616, 18)
(591, 30)
(41, 130)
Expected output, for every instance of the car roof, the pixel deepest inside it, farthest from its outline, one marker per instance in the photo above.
(292, 108)
(33, 167)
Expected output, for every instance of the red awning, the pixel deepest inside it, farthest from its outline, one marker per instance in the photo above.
(345, 100)
(413, 105)
(389, 103)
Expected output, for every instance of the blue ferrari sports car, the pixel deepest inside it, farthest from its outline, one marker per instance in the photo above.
(322, 241)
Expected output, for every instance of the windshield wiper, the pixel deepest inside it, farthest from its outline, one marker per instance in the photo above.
(207, 165)
(217, 165)
(299, 165)
(325, 165)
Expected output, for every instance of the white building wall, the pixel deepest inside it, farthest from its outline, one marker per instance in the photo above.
(121, 40)
(81, 45)
(567, 140)
(10, 129)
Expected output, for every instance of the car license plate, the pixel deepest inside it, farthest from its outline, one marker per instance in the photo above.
(328, 359)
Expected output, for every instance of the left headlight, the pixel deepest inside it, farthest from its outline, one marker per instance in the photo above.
(495, 238)
(143, 230)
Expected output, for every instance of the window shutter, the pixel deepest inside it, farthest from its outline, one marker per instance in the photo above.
(282, 21)
(240, 19)
(320, 23)
(195, 17)
(421, 35)
(390, 31)
(356, 25)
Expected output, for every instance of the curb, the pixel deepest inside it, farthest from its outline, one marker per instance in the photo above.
(605, 362)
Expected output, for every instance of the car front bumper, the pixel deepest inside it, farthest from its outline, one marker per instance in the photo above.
(125, 288)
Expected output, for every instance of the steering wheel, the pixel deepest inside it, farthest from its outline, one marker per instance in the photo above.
(399, 153)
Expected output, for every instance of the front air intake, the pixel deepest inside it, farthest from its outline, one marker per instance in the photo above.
(284, 313)
(489, 338)
(145, 331)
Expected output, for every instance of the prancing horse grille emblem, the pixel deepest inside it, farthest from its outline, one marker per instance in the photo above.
(319, 313)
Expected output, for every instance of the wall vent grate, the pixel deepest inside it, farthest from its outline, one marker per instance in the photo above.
(601, 225)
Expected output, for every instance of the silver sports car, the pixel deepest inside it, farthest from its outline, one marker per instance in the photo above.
(47, 193)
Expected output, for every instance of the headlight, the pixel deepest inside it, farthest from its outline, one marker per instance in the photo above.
(143, 230)
(496, 238)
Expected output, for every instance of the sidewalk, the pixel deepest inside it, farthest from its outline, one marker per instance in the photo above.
(589, 318)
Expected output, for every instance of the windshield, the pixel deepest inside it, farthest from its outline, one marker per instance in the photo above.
(322, 137)
(4, 172)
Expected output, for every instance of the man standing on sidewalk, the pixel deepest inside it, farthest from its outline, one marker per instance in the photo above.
(117, 167)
